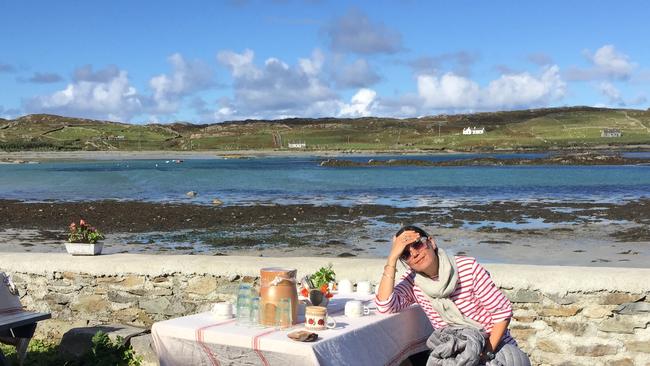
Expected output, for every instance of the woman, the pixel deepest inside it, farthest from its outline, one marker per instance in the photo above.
(452, 290)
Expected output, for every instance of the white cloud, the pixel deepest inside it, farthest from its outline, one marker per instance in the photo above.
(106, 94)
(448, 91)
(454, 92)
(612, 62)
(276, 88)
(607, 63)
(186, 77)
(362, 104)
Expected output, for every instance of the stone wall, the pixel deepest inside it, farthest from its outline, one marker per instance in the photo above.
(563, 315)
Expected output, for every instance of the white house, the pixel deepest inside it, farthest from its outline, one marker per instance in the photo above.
(297, 145)
(473, 131)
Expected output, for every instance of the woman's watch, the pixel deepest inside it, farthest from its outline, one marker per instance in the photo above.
(489, 355)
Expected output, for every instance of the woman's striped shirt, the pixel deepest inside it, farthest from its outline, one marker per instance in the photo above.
(476, 296)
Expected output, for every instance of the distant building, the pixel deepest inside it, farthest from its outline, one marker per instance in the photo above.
(611, 132)
(297, 145)
(113, 137)
(473, 131)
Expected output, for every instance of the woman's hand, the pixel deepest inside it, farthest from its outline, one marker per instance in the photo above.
(399, 243)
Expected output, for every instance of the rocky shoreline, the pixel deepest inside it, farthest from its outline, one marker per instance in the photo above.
(562, 159)
(506, 231)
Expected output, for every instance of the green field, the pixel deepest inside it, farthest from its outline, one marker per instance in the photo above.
(552, 128)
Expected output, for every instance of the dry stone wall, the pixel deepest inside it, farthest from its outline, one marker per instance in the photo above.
(557, 323)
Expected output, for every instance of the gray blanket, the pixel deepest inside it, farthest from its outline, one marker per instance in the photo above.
(452, 346)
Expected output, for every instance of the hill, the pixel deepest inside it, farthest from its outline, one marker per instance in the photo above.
(533, 129)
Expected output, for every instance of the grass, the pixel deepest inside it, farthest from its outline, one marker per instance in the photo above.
(538, 128)
(104, 352)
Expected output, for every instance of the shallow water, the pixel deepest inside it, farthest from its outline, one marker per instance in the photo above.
(300, 180)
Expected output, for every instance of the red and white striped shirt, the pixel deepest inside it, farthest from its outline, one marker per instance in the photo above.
(476, 297)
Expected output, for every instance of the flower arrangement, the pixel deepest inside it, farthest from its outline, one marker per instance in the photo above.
(84, 233)
(320, 280)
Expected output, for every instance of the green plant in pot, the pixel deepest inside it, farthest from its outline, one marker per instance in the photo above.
(83, 239)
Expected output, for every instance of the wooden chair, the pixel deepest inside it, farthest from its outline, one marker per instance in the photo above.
(17, 326)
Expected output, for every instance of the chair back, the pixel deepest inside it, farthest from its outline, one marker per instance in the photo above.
(9, 300)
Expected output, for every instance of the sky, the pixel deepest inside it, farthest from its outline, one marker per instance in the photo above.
(212, 61)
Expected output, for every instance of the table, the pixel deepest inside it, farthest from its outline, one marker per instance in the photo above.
(374, 339)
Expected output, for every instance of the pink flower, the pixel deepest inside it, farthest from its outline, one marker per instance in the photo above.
(73, 226)
(82, 222)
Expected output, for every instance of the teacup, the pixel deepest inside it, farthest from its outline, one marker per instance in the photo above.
(345, 286)
(364, 287)
(355, 309)
(222, 310)
(316, 318)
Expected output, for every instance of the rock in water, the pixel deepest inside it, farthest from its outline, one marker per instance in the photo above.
(217, 202)
(191, 194)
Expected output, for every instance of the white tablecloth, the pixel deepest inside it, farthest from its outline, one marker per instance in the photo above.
(375, 339)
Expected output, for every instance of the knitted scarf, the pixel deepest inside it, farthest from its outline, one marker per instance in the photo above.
(438, 291)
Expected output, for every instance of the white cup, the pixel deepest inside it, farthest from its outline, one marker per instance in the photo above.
(345, 286)
(364, 288)
(355, 309)
(222, 310)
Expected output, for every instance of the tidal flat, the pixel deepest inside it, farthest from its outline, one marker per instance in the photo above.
(549, 233)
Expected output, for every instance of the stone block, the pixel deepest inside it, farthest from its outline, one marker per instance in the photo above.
(564, 311)
(156, 305)
(90, 304)
(521, 295)
(78, 341)
(638, 346)
(576, 328)
(563, 299)
(549, 345)
(596, 311)
(623, 324)
(631, 308)
(522, 335)
(143, 346)
(129, 282)
(621, 362)
(56, 298)
(596, 350)
(201, 285)
(617, 298)
(122, 297)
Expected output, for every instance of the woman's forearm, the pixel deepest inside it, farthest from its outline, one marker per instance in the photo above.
(498, 330)
(387, 283)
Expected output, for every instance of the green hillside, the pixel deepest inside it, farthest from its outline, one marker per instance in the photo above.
(539, 129)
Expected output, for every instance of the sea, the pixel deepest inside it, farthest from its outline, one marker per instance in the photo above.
(302, 180)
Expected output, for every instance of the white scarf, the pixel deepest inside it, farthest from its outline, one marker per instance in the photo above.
(438, 291)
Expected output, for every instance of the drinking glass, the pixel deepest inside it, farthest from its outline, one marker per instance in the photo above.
(283, 314)
(244, 304)
(255, 312)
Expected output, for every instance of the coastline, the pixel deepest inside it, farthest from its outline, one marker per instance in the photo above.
(584, 234)
(28, 156)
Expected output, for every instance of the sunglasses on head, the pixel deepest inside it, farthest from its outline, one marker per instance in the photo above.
(416, 245)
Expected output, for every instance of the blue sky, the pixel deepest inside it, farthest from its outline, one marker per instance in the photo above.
(210, 61)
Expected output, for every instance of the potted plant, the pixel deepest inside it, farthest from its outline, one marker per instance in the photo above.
(316, 287)
(83, 239)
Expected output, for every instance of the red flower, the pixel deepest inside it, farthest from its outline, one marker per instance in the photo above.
(304, 292)
(310, 321)
(321, 322)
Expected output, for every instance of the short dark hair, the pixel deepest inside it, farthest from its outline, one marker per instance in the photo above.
(412, 228)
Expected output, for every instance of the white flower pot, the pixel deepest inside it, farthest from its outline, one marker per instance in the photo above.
(83, 248)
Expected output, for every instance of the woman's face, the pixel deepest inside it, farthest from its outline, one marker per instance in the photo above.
(423, 257)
